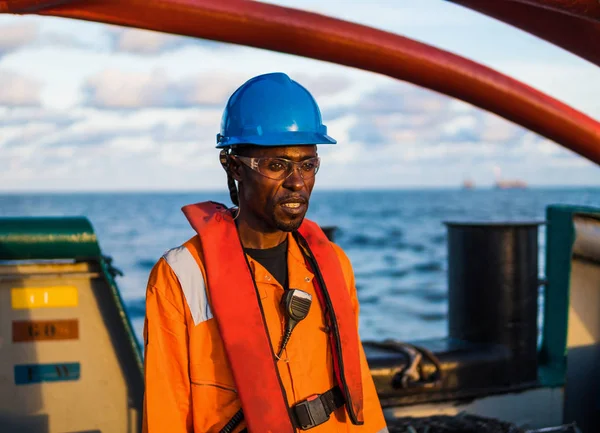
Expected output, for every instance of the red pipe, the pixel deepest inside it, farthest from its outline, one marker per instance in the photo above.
(571, 24)
(316, 36)
(586, 9)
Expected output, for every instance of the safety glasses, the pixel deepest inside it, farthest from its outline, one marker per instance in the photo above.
(281, 168)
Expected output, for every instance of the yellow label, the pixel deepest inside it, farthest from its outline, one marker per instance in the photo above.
(44, 297)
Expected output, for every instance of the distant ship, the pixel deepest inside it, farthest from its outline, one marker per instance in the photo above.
(468, 184)
(507, 183)
(511, 184)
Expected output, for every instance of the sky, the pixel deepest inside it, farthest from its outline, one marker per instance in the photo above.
(91, 107)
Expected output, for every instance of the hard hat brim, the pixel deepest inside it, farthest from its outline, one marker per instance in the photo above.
(288, 138)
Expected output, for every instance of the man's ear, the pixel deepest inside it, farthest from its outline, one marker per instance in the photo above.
(223, 157)
(230, 165)
(235, 168)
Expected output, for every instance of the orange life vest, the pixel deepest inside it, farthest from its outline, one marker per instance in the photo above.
(236, 307)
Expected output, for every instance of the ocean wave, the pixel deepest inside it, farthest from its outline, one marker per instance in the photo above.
(146, 264)
(136, 307)
(410, 246)
(432, 316)
(428, 267)
(372, 299)
(361, 240)
(439, 239)
(389, 272)
(434, 296)
(383, 272)
(400, 290)
(383, 241)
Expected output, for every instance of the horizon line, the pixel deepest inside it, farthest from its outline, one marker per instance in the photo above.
(325, 189)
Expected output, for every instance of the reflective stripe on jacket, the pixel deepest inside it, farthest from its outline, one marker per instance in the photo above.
(189, 383)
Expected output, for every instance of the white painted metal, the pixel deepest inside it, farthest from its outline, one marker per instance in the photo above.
(582, 393)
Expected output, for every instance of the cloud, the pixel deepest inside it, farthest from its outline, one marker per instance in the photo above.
(433, 141)
(150, 43)
(100, 149)
(130, 138)
(26, 135)
(403, 115)
(16, 36)
(189, 131)
(18, 90)
(32, 35)
(29, 128)
(146, 132)
(157, 149)
(86, 135)
(124, 90)
(323, 85)
(399, 134)
(403, 98)
(24, 33)
(64, 40)
(108, 168)
(114, 89)
(18, 117)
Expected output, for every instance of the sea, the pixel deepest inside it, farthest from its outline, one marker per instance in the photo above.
(395, 239)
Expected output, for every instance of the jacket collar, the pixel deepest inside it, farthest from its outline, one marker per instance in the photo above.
(295, 261)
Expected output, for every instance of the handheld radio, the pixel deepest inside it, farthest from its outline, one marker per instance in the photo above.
(296, 305)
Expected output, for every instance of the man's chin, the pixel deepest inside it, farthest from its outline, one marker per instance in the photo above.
(290, 225)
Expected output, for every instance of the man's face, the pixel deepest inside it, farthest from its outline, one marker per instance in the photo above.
(275, 205)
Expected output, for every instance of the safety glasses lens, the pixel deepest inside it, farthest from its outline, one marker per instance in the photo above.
(279, 168)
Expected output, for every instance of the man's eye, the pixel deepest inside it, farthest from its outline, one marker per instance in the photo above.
(310, 164)
(276, 166)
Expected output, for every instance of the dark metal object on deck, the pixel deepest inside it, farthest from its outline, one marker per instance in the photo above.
(330, 232)
(493, 289)
(461, 423)
(466, 423)
(469, 370)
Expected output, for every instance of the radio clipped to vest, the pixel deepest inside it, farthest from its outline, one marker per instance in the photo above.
(295, 304)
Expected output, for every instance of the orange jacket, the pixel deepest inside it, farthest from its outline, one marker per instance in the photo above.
(189, 383)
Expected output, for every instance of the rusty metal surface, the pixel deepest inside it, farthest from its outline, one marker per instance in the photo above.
(44, 330)
(571, 24)
(587, 9)
(316, 36)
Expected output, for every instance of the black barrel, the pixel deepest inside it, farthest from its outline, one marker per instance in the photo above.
(493, 289)
(330, 232)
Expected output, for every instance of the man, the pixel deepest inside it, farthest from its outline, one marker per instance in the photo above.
(252, 323)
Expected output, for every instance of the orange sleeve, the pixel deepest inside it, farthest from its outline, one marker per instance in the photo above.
(167, 398)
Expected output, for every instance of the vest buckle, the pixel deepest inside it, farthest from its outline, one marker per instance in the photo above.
(317, 408)
(310, 412)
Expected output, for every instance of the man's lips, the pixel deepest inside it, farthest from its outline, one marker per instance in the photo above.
(293, 205)
(293, 200)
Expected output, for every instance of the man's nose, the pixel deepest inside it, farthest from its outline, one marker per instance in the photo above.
(294, 181)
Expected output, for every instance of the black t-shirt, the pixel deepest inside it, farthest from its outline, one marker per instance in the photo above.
(273, 260)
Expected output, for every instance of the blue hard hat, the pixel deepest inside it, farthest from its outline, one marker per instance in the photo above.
(272, 110)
